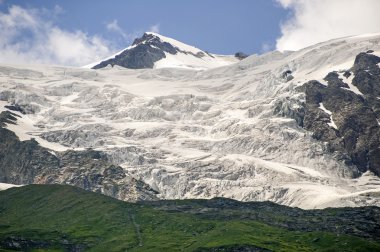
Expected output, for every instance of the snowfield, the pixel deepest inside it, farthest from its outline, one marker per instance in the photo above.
(193, 133)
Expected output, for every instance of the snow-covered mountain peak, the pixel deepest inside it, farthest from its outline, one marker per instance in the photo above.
(150, 36)
(153, 50)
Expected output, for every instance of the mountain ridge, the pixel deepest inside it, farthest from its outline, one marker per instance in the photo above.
(153, 50)
(294, 127)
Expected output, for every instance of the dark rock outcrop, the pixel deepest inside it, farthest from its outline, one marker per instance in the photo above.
(26, 162)
(367, 79)
(16, 108)
(142, 56)
(357, 132)
(241, 55)
(287, 75)
(7, 117)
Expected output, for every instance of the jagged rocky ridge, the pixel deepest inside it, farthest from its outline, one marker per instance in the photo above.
(142, 55)
(26, 162)
(151, 48)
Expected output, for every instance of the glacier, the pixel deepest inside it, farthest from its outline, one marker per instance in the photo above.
(198, 132)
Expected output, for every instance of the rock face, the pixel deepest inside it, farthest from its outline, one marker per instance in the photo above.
(26, 162)
(241, 55)
(346, 118)
(287, 75)
(145, 51)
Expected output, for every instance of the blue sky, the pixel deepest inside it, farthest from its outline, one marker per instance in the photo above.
(220, 26)
(76, 32)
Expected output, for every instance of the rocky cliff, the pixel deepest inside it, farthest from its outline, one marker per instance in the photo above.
(344, 112)
(26, 162)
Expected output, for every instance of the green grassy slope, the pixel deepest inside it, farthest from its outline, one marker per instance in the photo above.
(65, 218)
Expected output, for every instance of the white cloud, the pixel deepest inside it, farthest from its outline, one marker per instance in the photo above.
(28, 37)
(155, 28)
(266, 47)
(58, 10)
(320, 20)
(75, 48)
(114, 26)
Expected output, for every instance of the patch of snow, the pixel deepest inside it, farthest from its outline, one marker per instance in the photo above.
(377, 53)
(348, 81)
(4, 186)
(366, 35)
(53, 153)
(2, 105)
(176, 43)
(188, 61)
(275, 166)
(323, 82)
(331, 123)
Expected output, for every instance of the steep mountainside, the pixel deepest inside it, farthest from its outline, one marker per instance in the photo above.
(31, 217)
(156, 51)
(351, 114)
(296, 128)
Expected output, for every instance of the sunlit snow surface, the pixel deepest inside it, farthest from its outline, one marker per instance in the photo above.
(198, 134)
(331, 123)
(4, 186)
